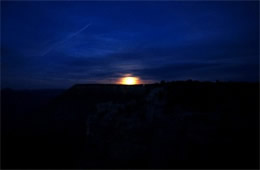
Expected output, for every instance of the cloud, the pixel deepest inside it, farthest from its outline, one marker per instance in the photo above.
(59, 43)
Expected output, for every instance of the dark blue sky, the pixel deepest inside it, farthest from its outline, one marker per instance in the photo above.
(59, 44)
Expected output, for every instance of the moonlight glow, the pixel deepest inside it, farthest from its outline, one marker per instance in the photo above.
(129, 80)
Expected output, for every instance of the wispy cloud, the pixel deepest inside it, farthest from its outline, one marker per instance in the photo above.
(59, 43)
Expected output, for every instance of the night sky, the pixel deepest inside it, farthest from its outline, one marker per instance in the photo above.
(59, 44)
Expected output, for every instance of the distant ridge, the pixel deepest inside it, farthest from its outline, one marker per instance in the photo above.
(97, 84)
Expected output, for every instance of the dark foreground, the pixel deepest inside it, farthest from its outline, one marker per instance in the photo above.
(168, 125)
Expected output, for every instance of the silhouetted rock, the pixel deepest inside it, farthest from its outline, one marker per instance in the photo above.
(183, 124)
